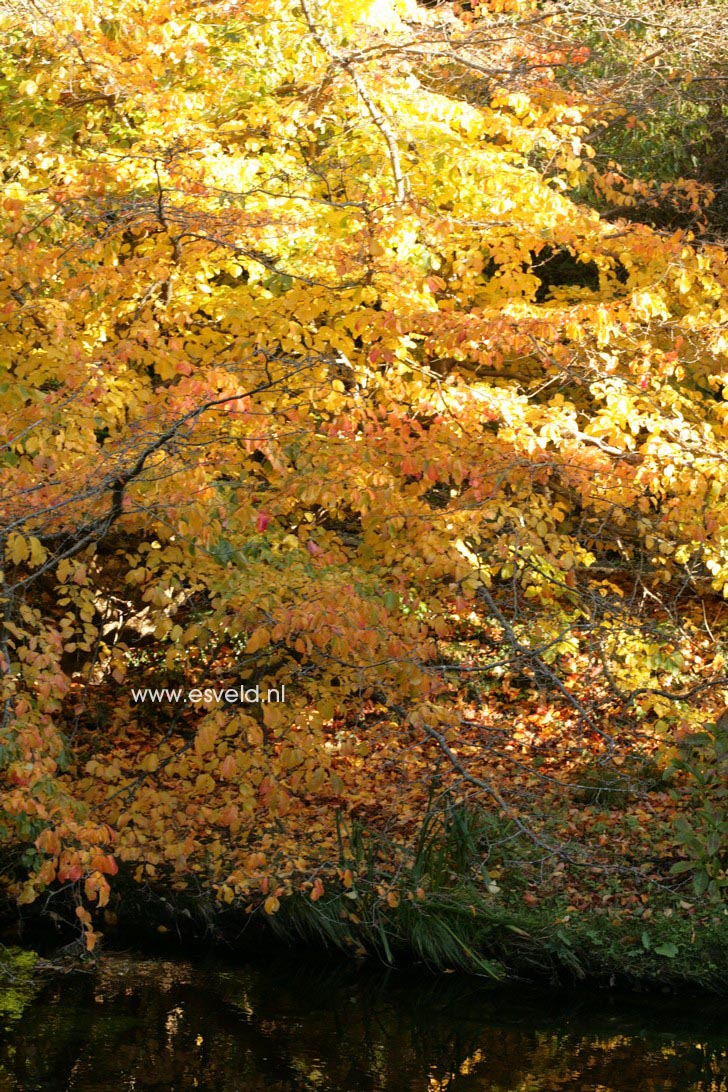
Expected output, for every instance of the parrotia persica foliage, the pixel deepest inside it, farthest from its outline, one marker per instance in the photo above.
(316, 368)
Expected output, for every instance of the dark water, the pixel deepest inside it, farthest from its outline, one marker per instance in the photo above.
(291, 1023)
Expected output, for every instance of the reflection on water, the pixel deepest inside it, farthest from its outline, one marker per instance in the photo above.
(304, 1024)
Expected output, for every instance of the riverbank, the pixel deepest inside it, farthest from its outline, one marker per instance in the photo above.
(670, 949)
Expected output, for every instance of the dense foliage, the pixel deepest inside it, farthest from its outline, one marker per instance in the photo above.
(341, 355)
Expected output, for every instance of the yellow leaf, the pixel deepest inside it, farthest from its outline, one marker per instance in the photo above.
(38, 553)
(63, 570)
(204, 784)
(205, 738)
(104, 891)
(17, 548)
(259, 639)
(271, 904)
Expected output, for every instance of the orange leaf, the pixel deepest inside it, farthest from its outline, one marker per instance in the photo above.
(318, 890)
(228, 767)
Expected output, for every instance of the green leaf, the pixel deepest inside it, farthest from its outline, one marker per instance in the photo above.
(391, 600)
(680, 867)
(668, 949)
(714, 844)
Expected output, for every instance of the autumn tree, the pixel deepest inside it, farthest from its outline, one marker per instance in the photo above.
(320, 373)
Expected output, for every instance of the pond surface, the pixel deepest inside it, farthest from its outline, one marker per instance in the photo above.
(293, 1022)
